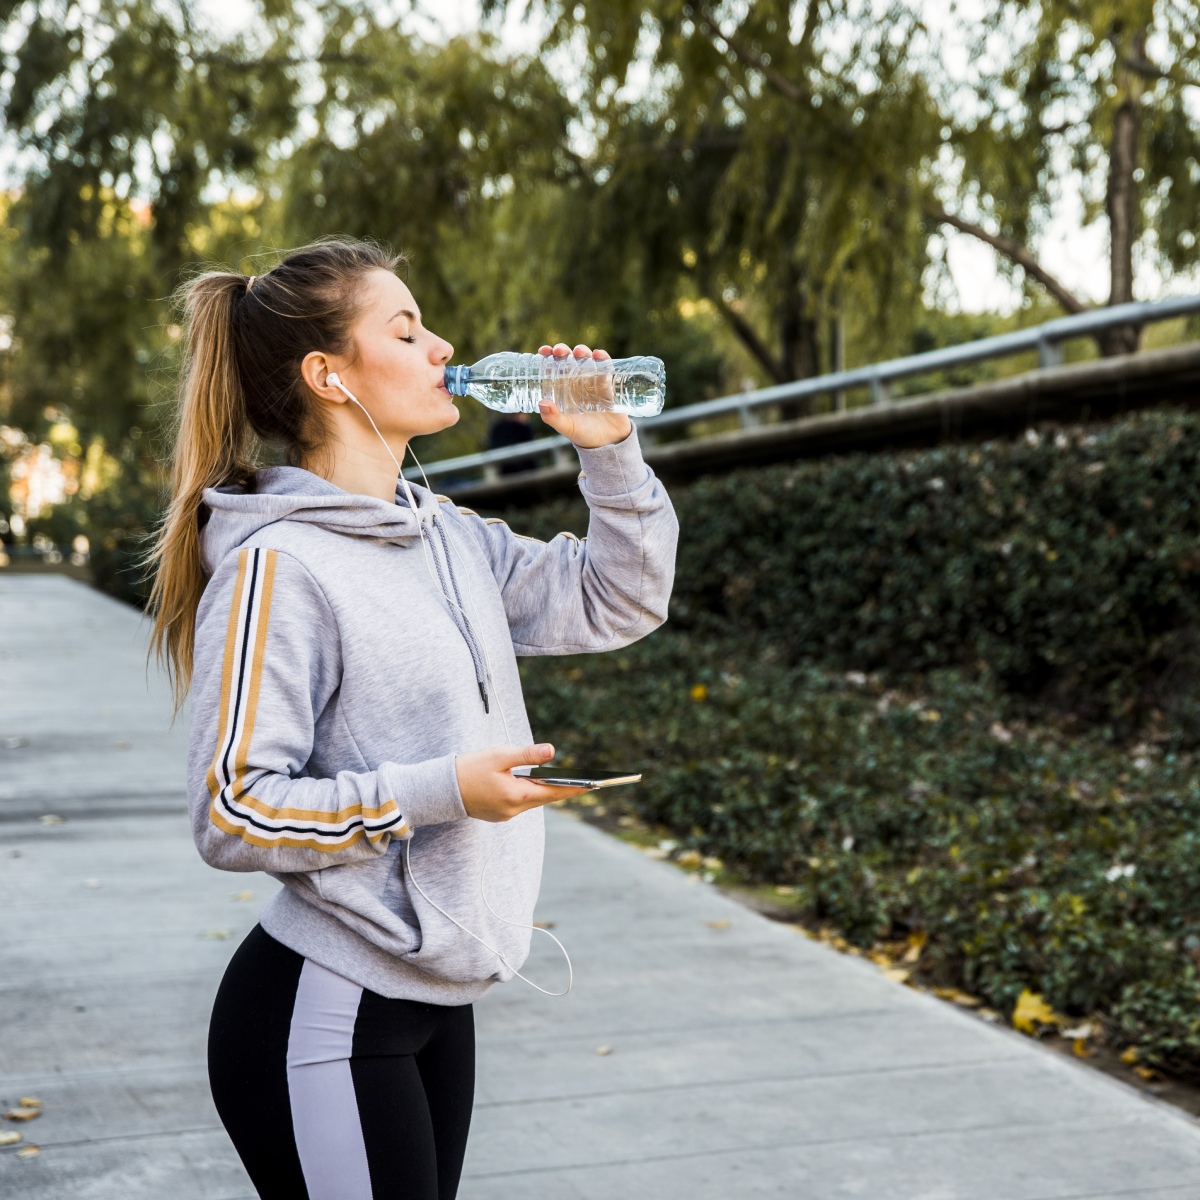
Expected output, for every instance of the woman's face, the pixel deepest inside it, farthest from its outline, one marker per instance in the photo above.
(397, 367)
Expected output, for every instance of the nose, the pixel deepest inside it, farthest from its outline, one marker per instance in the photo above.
(442, 351)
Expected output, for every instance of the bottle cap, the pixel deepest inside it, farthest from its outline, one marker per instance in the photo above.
(457, 379)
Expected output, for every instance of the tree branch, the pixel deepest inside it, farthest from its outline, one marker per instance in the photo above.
(1055, 130)
(749, 58)
(749, 338)
(1144, 67)
(1013, 251)
(239, 64)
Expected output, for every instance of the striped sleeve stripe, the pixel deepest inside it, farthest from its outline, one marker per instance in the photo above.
(234, 810)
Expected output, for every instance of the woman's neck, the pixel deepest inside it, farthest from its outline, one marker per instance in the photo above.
(364, 470)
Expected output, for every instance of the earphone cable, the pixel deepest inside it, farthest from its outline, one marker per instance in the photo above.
(425, 553)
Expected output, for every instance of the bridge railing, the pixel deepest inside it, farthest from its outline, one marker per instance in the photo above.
(1046, 339)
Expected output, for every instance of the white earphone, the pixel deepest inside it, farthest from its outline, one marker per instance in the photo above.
(334, 381)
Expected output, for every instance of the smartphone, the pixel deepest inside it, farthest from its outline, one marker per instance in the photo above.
(562, 777)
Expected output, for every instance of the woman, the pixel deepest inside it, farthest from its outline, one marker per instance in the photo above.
(350, 645)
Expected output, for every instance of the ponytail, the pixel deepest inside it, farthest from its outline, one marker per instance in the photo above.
(212, 447)
(240, 386)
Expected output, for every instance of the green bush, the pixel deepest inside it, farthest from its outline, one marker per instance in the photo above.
(1162, 1018)
(120, 522)
(1030, 857)
(1066, 563)
(948, 691)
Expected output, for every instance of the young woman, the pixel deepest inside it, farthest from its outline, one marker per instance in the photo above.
(350, 643)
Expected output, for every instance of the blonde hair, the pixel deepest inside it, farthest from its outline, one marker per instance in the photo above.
(239, 387)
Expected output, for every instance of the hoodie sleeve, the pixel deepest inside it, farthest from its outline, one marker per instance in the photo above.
(267, 662)
(568, 596)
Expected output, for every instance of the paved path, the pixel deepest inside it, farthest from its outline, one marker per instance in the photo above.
(746, 1061)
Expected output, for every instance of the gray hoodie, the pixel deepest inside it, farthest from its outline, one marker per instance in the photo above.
(336, 679)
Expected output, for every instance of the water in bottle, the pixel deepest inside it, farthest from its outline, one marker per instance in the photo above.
(512, 382)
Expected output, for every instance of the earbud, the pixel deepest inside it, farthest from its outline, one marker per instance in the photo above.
(333, 380)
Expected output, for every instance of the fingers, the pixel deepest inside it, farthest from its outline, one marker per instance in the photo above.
(524, 756)
(561, 350)
(540, 793)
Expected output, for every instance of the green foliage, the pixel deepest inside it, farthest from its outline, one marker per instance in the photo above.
(900, 684)
(1066, 564)
(753, 168)
(120, 522)
(1161, 1017)
(1030, 858)
(1048, 100)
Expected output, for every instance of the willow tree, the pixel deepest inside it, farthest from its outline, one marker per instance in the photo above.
(750, 164)
(1107, 93)
(123, 114)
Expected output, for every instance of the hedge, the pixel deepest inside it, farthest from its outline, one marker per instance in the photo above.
(1066, 563)
(948, 692)
(1031, 858)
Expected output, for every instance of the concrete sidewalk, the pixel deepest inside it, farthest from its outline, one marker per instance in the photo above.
(746, 1061)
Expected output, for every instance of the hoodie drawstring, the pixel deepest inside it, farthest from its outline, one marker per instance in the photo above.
(453, 598)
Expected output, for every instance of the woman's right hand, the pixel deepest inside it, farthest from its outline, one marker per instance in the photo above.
(491, 792)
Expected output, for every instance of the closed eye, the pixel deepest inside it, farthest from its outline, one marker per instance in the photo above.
(410, 340)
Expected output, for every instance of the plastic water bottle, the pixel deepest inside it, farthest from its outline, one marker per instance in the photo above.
(512, 382)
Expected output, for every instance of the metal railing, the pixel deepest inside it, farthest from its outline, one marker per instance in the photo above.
(1046, 339)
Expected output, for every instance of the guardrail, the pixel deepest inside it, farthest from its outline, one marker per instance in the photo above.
(1047, 339)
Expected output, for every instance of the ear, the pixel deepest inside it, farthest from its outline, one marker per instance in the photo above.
(315, 368)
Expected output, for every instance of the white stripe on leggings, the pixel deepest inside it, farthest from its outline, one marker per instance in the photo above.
(329, 1138)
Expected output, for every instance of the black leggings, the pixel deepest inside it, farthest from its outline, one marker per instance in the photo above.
(331, 1092)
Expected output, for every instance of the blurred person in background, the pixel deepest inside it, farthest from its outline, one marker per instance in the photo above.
(512, 429)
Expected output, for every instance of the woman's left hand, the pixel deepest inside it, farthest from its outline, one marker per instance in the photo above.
(589, 430)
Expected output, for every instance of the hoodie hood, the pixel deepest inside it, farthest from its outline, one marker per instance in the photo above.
(236, 514)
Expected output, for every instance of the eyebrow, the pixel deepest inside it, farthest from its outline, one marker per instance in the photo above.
(404, 312)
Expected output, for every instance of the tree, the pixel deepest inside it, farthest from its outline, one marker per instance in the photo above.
(754, 167)
(124, 113)
(1099, 89)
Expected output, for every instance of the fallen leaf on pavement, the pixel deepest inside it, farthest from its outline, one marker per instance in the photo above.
(718, 924)
(916, 943)
(10, 1137)
(243, 895)
(51, 819)
(29, 1152)
(1032, 1011)
(957, 996)
(1149, 1074)
(544, 924)
(689, 858)
(897, 974)
(1081, 1049)
(216, 935)
(29, 1102)
(1130, 1056)
(23, 1113)
(603, 1051)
